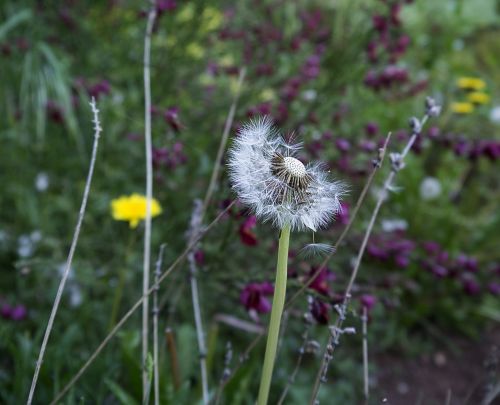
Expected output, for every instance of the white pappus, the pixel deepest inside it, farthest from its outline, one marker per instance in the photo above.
(277, 186)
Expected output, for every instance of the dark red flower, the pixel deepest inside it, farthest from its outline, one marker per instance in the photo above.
(247, 236)
(368, 301)
(320, 311)
(253, 297)
(321, 282)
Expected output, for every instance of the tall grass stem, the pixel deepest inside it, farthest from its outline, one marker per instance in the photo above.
(67, 268)
(149, 191)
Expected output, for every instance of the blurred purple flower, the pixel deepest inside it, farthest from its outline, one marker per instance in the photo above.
(18, 313)
(247, 236)
(321, 282)
(470, 284)
(368, 301)
(253, 297)
(342, 144)
(494, 288)
(320, 311)
(100, 88)
(165, 5)
(171, 116)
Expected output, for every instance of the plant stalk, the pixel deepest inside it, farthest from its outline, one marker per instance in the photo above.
(276, 313)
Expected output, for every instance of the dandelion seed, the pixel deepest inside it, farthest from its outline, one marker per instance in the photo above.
(316, 249)
(269, 178)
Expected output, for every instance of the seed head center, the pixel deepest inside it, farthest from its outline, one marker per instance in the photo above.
(294, 166)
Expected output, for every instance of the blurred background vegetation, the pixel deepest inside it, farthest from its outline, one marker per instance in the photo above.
(340, 75)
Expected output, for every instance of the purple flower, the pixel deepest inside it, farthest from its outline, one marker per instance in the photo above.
(253, 297)
(368, 301)
(165, 5)
(470, 284)
(54, 112)
(199, 257)
(5, 311)
(100, 88)
(321, 282)
(402, 261)
(438, 270)
(247, 236)
(494, 288)
(433, 132)
(320, 311)
(18, 313)
(343, 145)
(171, 116)
(343, 215)
(367, 145)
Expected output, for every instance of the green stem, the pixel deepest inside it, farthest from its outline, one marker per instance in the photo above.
(276, 312)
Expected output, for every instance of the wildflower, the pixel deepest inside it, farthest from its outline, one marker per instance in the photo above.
(320, 311)
(495, 114)
(393, 225)
(470, 284)
(275, 184)
(462, 108)
(430, 188)
(18, 313)
(471, 83)
(321, 282)
(247, 236)
(478, 97)
(133, 209)
(253, 297)
(368, 301)
(42, 182)
(171, 116)
(494, 288)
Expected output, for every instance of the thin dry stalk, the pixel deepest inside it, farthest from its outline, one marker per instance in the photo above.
(137, 304)
(364, 320)
(377, 164)
(149, 191)
(397, 163)
(200, 335)
(223, 142)
(174, 362)
(196, 224)
(67, 269)
(302, 350)
(155, 326)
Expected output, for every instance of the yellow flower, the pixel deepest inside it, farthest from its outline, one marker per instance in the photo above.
(478, 97)
(133, 209)
(462, 108)
(471, 83)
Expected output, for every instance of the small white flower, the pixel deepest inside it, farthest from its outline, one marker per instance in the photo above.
(42, 182)
(495, 114)
(309, 95)
(25, 246)
(391, 225)
(278, 187)
(430, 188)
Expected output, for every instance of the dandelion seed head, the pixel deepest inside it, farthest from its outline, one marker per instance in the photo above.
(269, 178)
